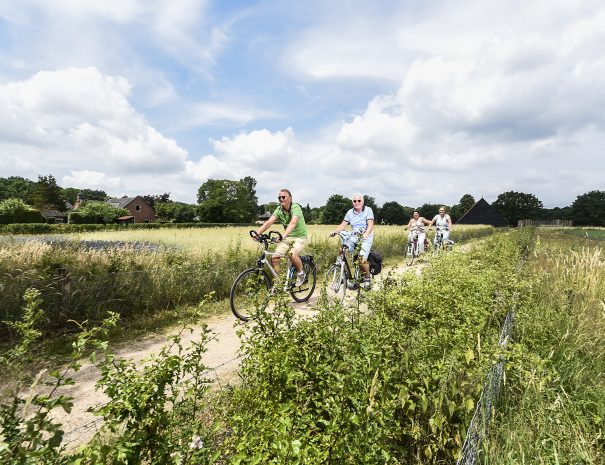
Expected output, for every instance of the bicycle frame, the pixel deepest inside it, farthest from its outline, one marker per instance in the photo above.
(344, 263)
(263, 261)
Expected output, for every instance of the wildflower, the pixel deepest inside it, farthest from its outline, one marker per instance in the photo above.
(196, 442)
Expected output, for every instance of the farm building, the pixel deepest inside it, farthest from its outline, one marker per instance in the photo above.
(54, 216)
(482, 213)
(138, 208)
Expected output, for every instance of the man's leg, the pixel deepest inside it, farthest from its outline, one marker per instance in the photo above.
(296, 261)
(366, 246)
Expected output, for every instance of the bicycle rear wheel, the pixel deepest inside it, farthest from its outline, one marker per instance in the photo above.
(336, 282)
(410, 252)
(250, 292)
(304, 292)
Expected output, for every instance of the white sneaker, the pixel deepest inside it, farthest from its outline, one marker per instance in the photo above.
(367, 284)
(300, 279)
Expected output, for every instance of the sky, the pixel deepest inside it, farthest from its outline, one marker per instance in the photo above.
(409, 101)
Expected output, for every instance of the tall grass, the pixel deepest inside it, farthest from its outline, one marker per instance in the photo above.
(555, 403)
(120, 270)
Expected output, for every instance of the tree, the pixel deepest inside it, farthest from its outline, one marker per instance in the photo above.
(175, 212)
(429, 210)
(371, 202)
(515, 206)
(46, 194)
(556, 213)
(589, 209)
(16, 187)
(464, 205)
(71, 194)
(17, 211)
(394, 213)
(153, 200)
(226, 201)
(335, 209)
(97, 213)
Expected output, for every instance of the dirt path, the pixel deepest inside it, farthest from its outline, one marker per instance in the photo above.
(222, 358)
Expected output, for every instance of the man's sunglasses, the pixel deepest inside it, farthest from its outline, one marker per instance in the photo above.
(281, 197)
(355, 201)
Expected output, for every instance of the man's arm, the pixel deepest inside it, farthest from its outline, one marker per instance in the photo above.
(339, 228)
(291, 225)
(266, 224)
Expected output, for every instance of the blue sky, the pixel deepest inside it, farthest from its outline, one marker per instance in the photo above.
(402, 100)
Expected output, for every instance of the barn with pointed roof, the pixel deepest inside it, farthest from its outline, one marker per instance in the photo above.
(483, 213)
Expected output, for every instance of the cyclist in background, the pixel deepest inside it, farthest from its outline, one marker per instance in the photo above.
(361, 219)
(443, 222)
(416, 226)
(294, 238)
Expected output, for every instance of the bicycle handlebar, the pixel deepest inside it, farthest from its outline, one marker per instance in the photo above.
(266, 238)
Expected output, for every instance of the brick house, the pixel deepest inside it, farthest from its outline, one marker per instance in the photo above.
(137, 206)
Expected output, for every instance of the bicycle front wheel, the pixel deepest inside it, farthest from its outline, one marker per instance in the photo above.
(336, 282)
(437, 248)
(304, 292)
(250, 292)
(410, 252)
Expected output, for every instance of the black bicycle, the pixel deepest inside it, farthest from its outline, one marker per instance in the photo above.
(254, 286)
(342, 276)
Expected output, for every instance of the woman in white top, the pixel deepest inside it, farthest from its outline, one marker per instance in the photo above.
(443, 222)
(416, 226)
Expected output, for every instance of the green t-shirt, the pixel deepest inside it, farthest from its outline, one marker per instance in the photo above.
(284, 217)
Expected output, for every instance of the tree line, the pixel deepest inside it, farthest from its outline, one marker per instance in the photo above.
(235, 201)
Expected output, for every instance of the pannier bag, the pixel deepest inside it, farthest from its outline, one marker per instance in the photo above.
(375, 261)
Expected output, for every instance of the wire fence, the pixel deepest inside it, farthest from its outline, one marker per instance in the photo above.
(479, 426)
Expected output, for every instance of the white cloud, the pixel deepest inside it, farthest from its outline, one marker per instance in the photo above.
(77, 119)
(262, 149)
(92, 180)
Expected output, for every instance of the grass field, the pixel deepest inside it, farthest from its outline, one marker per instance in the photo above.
(587, 233)
(215, 239)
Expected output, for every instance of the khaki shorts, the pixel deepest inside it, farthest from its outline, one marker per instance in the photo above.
(290, 245)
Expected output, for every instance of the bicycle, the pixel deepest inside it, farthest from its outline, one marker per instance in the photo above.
(340, 276)
(254, 286)
(412, 249)
(439, 243)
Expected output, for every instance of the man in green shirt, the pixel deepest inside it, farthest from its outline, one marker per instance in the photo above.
(294, 239)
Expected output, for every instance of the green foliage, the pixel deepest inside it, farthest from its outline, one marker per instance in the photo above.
(96, 212)
(394, 213)
(47, 194)
(15, 187)
(154, 413)
(154, 200)
(71, 194)
(28, 433)
(154, 409)
(175, 212)
(589, 209)
(514, 206)
(464, 205)
(394, 384)
(336, 209)
(555, 399)
(15, 210)
(226, 201)
(429, 210)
